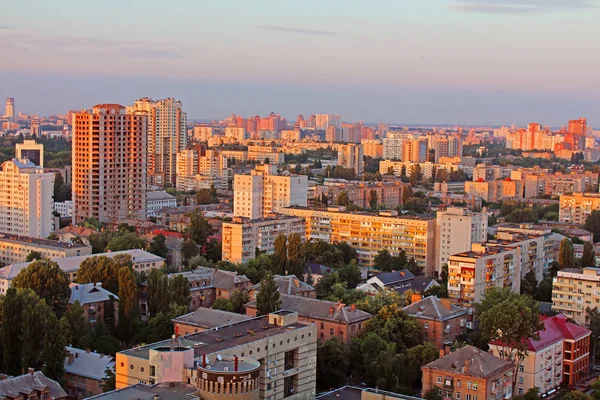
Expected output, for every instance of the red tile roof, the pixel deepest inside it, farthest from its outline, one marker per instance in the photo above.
(569, 330)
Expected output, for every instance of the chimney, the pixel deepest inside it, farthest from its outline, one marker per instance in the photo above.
(415, 297)
(235, 363)
(30, 370)
(442, 354)
(87, 350)
(447, 349)
(446, 303)
(330, 311)
(71, 357)
(467, 364)
(203, 360)
(353, 307)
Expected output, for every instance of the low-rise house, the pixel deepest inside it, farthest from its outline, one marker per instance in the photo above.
(317, 271)
(441, 321)
(400, 281)
(290, 285)
(469, 373)
(84, 372)
(157, 201)
(33, 385)
(333, 320)
(205, 318)
(95, 300)
(72, 233)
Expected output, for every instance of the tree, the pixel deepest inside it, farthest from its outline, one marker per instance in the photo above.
(189, 249)
(331, 363)
(414, 267)
(295, 262)
(577, 395)
(48, 281)
(321, 252)
(348, 252)
(280, 254)
(268, 299)
(529, 284)
(75, 329)
(384, 261)
(214, 249)
(10, 334)
(125, 240)
(403, 170)
(100, 269)
(373, 199)
(544, 290)
(223, 305)
(511, 319)
(204, 196)
(595, 390)
(179, 291)
(592, 224)
(433, 394)
(33, 255)
(417, 357)
(393, 325)
(127, 300)
(108, 383)
(566, 259)
(343, 199)
(158, 246)
(350, 274)
(199, 229)
(158, 292)
(54, 351)
(592, 322)
(238, 299)
(588, 259)
(34, 316)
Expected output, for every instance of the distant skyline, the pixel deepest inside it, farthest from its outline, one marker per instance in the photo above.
(475, 62)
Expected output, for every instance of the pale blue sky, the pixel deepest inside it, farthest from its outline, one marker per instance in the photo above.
(406, 61)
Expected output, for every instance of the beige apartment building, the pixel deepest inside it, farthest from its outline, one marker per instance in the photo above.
(456, 229)
(241, 237)
(26, 199)
(576, 207)
(351, 156)
(496, 190)
(281, 349)
(275, 155)
(263, 192)
(370, 233)
(574, 290)
(470, 273)
(167, 135)
(109, 164)
(389, 194)
(372, 148)
(31, 150)
(15, 248)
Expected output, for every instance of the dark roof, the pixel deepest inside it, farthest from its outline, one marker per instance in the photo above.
(355, 393)
(389, 278)
(27, 383)
(320, 309)
(165, 391)
(318, 269)
(48, 243)
(289, 284)
(434, 309)
(471, 361)
(421, 283)
(208, 318)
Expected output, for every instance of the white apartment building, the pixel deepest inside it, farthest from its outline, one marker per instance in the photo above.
(351, 156)
(64, 208)
(26, 199)
(456, 230)
(392, 148)
(242, 236)
(263, 192)
(157, 201)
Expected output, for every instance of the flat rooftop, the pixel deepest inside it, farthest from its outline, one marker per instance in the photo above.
(426, 217)
(47, 243)
(165, 391)
(244, 365)
(220, 338)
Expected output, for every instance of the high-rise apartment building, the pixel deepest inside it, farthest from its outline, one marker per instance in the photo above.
(415, 150)
(392, 148)
(372, 148)
(26, 199)
(203, 132)
(370, 233)
(264, 192)
(323, 121)
(239, 134)
(331, 134)
(578, 126)
(574, 290)
(10, 108)
(351, 156)
(31, 150)
(167, 135)
(350, 133)
(576, 207)
(446, 146)
(109, 164)
(456, 230)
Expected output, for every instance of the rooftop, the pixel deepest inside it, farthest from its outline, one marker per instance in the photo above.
(87, 293)
(320, 309)
(76, 230)
(229, 365)
(27, 383)
(87, 364)
(221, 338)
(435, 309)
(289, 284)
(165, 391)
(389, 278)
(160, 195)
(364, 213)
(208, 318)
(471, 361)
(44, 243)
(356, 393)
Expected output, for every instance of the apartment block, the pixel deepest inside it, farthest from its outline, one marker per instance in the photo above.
(241, 237)
(536, 251)
(157, 201)
(261, 153)
(574, 290)
(202, 133)
(471, 273)
(236, 133)
(263, 192)
(109, 164)
(392, 148)
(31, 150)
(576, 207)
(276, 353)
(26, 199)
(372, 148)
(15, 248)
(456, 230)
(389, 194)
(370, 233)
(495, 190)
(415, 150)
(351, 156)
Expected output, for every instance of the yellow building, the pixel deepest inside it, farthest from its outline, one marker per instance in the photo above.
(574, 290)
(16, 248)
(370, 233)
(576, 207)
(372, 148)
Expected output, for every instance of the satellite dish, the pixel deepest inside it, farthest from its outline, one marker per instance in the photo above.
(219, 357)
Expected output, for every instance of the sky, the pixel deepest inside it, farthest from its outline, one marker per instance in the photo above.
(468, 62)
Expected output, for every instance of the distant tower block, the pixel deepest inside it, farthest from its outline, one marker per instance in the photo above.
(10, 108)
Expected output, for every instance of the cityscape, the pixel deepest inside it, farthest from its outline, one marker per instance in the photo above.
(321, 249)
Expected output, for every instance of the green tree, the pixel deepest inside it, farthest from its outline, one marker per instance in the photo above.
(109, 381)
(343, 199)
(350, 274)
(403, 171)
(100, 240)
(160, 326)
(48, 281)
(204, 196)
(280, 254)
(54, 351)
(588, 258)
(179, 291)
(268, 298)
(158, 246)
(418, 356)
(34, 316)
(373, 199)
(223, 305)
(189, 249)
(34, 255)
(238, 299)
(566, 259)
(592, 224)
(199, 229)
(595, 390)
(394, 326)
(331, 363)
(433, 394)
(544, 290)
(125, 240)
(100, 269)
(295, 262)
(592, 322)
(158, 292)
(511, 319)
(577, 395)
(348, 252)
(75, 329)
(384, 261)
(529, 284)
(128, 297)
(321, 252)
(12, 322)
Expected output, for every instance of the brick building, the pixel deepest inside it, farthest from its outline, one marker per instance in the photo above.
(290, 285)
(95, 300)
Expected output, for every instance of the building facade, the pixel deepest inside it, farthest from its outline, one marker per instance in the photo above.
(576, 207)
(351, 156)
(15, 248)
(156, 201)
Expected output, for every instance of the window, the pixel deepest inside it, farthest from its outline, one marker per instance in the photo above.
(468, 396)
(521, 368)
(468, 386)
(439, 380)
(475, 385)
(426, 325)
(520, 390)
(458, 396)
(521, 380)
